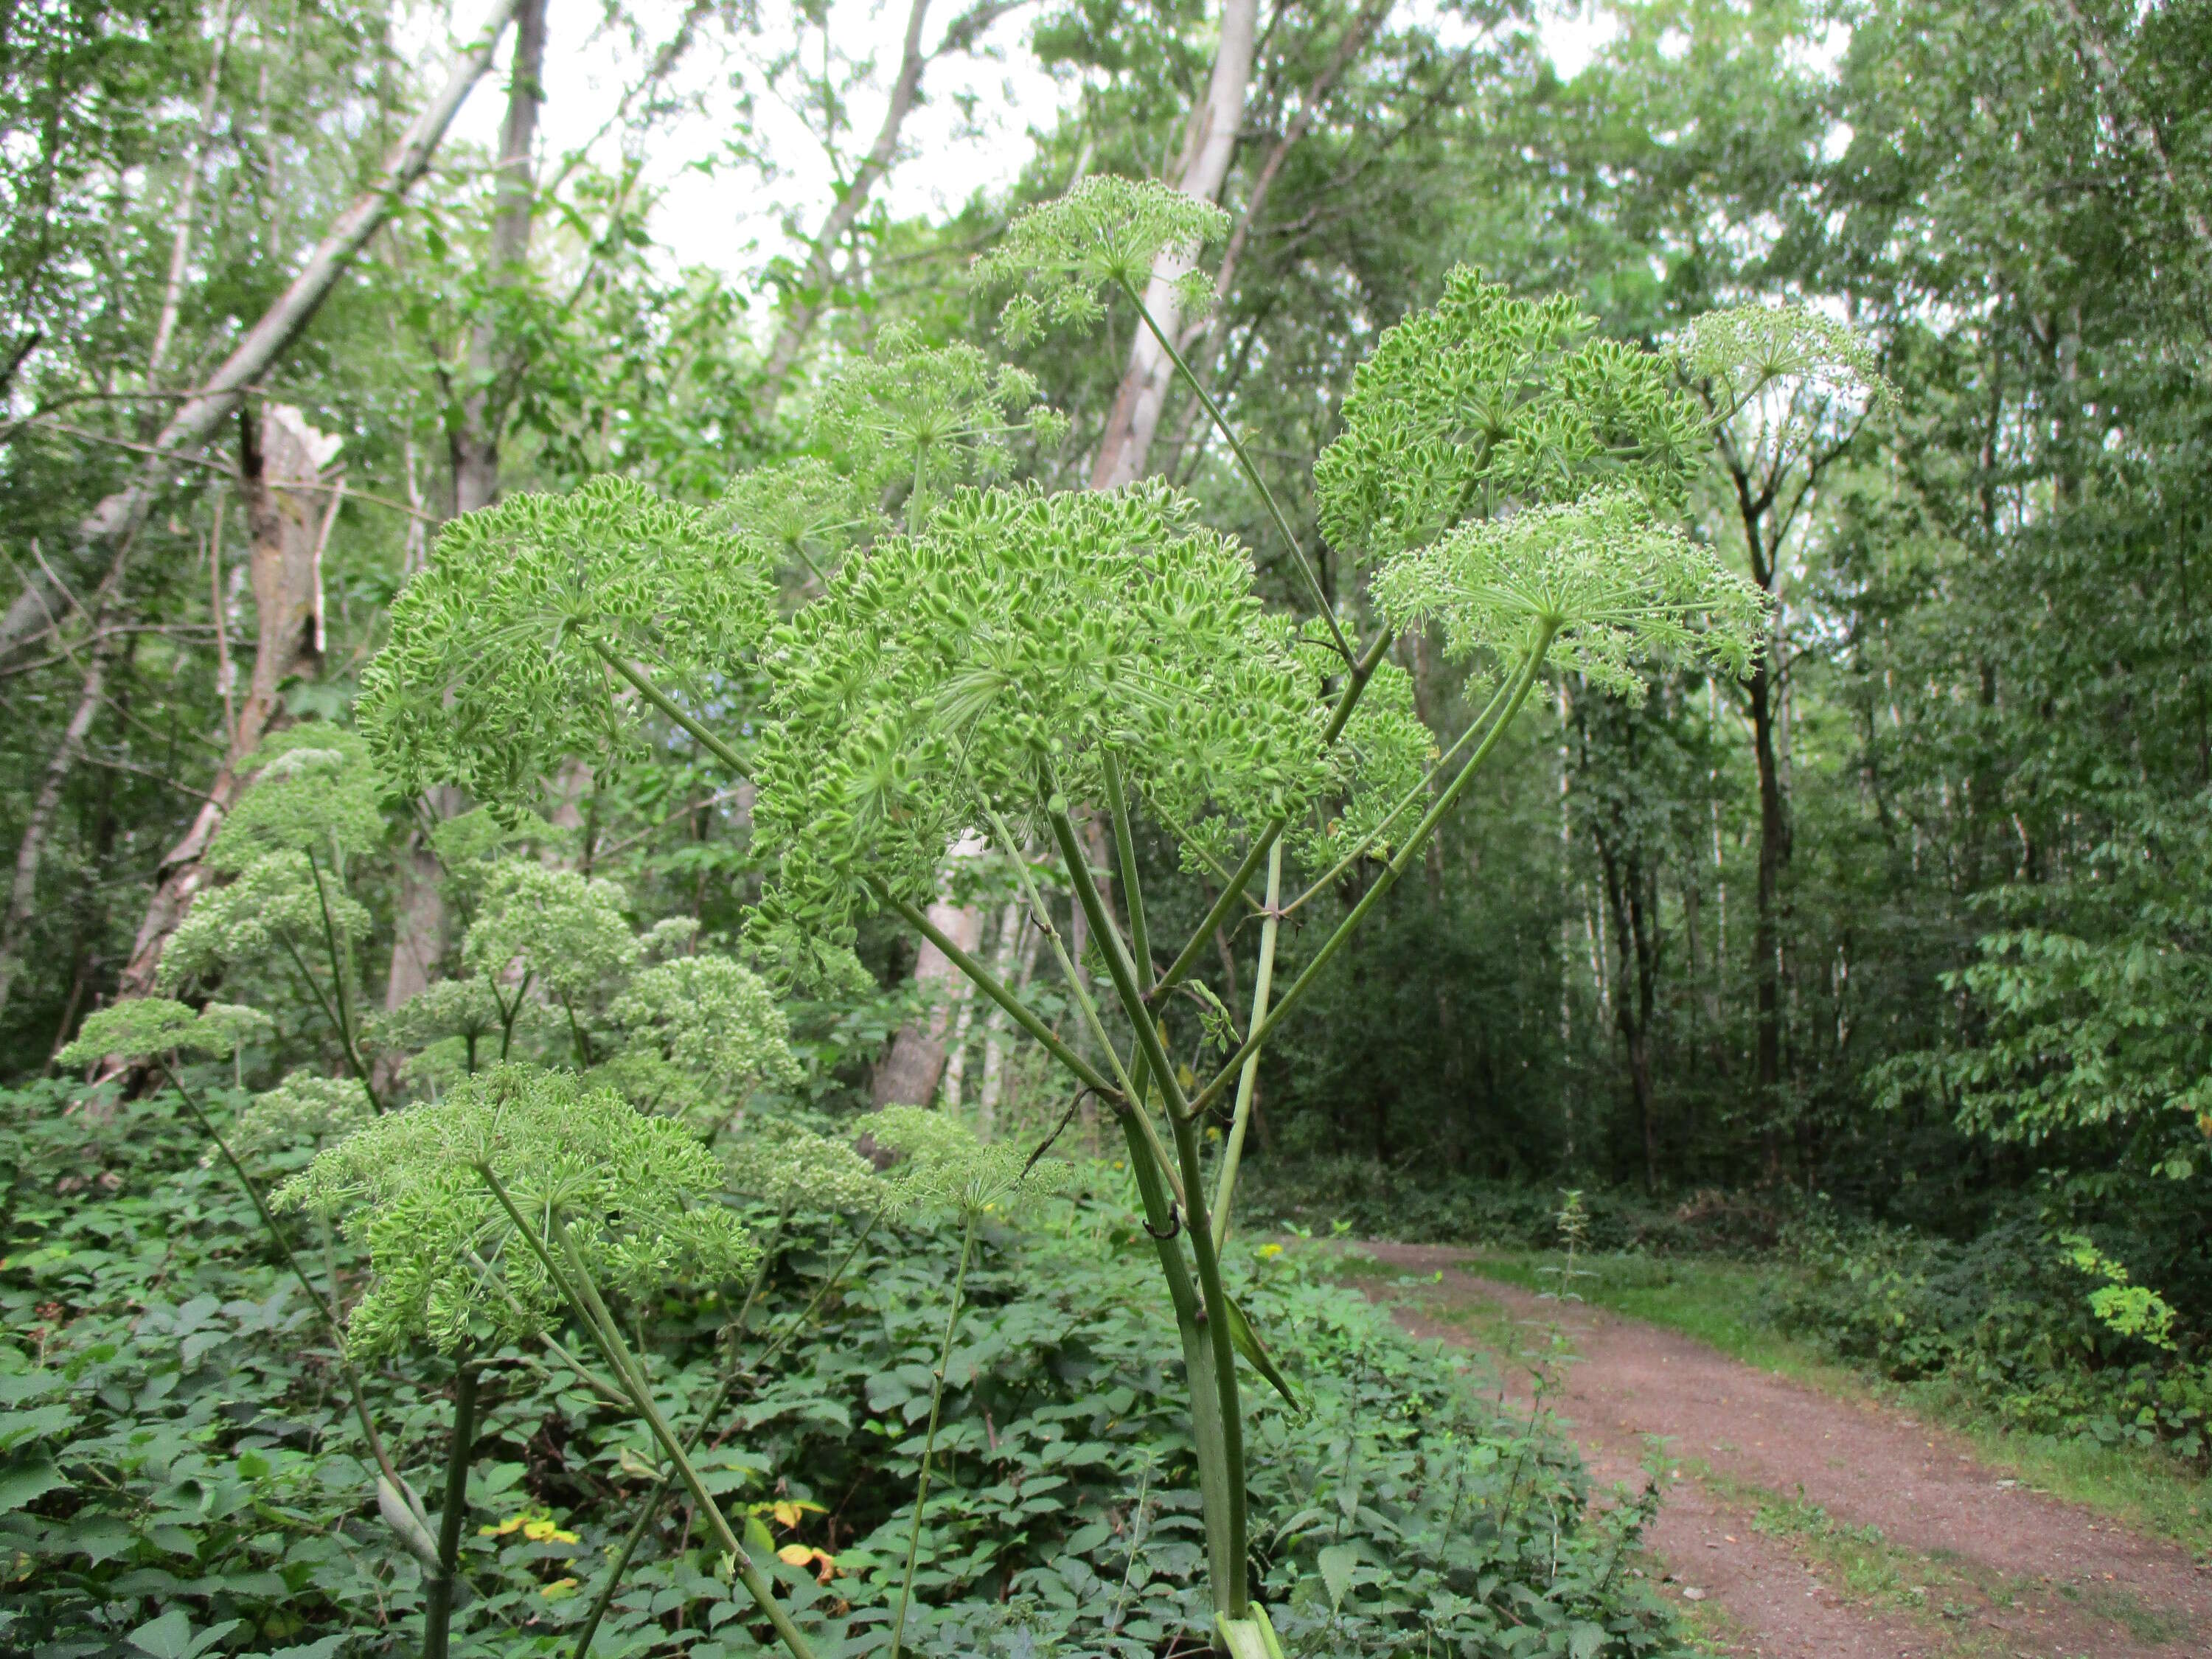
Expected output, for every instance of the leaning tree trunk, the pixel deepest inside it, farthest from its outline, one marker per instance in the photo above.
(290, 503)
(114, 522)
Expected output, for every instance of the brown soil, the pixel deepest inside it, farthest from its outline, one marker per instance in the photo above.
(1773, 1486)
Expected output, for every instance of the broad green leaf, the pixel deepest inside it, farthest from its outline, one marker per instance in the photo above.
(1336, 1563)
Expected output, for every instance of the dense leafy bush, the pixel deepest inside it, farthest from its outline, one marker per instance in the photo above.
(182, 1476)
(2011, 1316)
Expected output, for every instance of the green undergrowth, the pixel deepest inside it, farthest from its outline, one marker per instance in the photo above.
(1733, 1304)
(180, 1479)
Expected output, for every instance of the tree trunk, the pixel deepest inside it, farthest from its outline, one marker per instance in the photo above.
(112, 524)
(289, 506)
(1356, 35)
(908, 1074)
(1203, 168)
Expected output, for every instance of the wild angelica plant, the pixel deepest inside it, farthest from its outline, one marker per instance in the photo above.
(289, 846)
(1012, 655)
(514, 1199)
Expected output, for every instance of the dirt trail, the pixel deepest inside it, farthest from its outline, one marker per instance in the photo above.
(1813, 1527)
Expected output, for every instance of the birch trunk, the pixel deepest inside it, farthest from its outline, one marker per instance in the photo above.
(420, 924)
(1203, 168)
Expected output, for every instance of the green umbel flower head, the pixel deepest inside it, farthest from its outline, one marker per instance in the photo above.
(566, 932)
(1615, 586)
(928, 417)
(315, 791)
(145, 1027)
(944, 1166)
(1484, 403)
(799, 514)
(1105, 233)
(272, 909)
(792, 1169)
(306, 1110)
(1384, 753)
(1010, 640)
(1746, 348)
(498, 669)
(705, 1032)
(463, 1008)
(637, 1194)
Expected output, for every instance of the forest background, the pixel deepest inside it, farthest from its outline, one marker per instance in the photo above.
(1894, 953)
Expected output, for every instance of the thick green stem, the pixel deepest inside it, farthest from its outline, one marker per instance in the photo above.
(583, 1298)
(1363, 670)
(1129, 1100)
(668, 706)
(438, 1599)
(1232, 1596)
(929, 1439)
(1232, 1151)
(1244, 462)
(649, 1512)
(1523, 679)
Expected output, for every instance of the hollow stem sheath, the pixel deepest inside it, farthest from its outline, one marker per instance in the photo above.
(1182, 1123)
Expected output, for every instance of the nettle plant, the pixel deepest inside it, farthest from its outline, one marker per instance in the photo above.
(1008, 659)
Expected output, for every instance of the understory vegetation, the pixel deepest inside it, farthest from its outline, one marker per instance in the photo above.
(701, 897)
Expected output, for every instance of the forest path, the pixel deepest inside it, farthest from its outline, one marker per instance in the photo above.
(1802, 1526)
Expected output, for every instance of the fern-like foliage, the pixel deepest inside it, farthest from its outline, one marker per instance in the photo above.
(1062, 256)
(989, 659)
(1487, 402)
(497, 670)
(637, 1194)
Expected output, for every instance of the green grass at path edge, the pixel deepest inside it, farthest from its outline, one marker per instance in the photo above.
(1718, 1302)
